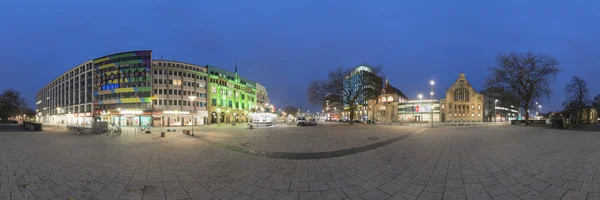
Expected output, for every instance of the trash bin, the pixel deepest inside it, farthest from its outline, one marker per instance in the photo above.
(162, 134)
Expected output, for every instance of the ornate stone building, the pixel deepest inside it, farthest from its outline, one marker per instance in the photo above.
(462, 102)
(385, 108)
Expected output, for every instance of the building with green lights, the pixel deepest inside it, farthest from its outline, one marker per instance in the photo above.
(131, 89)
(230, 96)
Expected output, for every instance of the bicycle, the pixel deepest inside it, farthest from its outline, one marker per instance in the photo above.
(143, 128)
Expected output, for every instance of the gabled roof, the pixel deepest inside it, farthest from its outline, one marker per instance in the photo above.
(388, 89)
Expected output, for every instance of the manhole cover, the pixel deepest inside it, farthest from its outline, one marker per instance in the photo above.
(247, 144)
(372, 138)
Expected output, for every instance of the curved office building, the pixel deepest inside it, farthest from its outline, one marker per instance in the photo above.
(131, 89)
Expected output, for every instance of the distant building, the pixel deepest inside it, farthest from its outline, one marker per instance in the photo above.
(262, 96)
(385, 108)
(462, 102)
(372, 86)
(497, 107)
(332, 107)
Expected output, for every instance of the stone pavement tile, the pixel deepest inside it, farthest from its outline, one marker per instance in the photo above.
(237, 197)
(44, 194)
(454, 184)
(518, 189)
(470, 179)
(201, 195)
(454, 176)
(191, 186)
(105, 194)
(508, 181)
(308, 178)
(507, 196)
(585, 178)
(430, 196)
(474, 188)
(556, 192)
(43, 184)
(593, 196)
(83, 193)
(309, 196)
(590, 187)
(539, 186)
(21, 195)
(177, 193)
(264, 183)
(533, 195)
(375, 194)
(557, 181)
(337, 174)
(573, 185)
(351, 180)
(324, 177)
(210, 186)
(4, 196)
(454, 194)
(435, 187)
(9, 187)
(358, 198)
(526, 179)
(285, 195)
(299, 187)
(277, 177)
(333, 194)
(489, 181)
(280, 185)
(412, 189)
(496, 190)
(292, 178)
(479, 196)
(403, 196)
(263, 193)
(390, 188)
(439, 178)
(574, 195)
(369, 185)
(61, 189)
(225, 193)
(132, 194)
(247, 189)
(318, 186)
(353, 190)
(337, 183)
(382, 178)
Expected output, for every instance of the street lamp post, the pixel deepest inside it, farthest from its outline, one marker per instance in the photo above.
(194, 113)
(495, 101)
(432, 83)
(540, 106)
(421, 110)
(119, 122)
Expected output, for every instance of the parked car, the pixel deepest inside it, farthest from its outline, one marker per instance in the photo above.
(312, 122)
(301, 121)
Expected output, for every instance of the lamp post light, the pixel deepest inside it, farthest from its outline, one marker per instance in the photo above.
(495, 101)
(540, 106)
(420, 110)
(431, 94)
(194, 113)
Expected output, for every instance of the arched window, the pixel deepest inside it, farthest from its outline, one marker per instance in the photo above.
(382, 99)
(461, 94)
(390, 98)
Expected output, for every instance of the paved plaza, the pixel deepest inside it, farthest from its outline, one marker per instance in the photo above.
(488, 162)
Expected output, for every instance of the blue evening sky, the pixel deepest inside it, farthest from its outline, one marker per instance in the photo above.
(285, 44)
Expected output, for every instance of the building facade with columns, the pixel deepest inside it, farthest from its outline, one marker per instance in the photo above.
(462, 102)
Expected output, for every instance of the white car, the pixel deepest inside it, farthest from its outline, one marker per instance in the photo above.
(301, 121)
(312, 122)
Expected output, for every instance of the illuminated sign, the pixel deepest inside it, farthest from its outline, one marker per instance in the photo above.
(131, 112)
(176, 112)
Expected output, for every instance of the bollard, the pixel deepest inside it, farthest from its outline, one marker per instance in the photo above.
(162, 134)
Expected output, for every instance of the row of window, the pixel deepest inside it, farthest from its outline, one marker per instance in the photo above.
(178, 73)
(227, 103)
(171, 102)
(183, 66)
(179, 92)
(179, 82)
(124, 66)
(123, 85)
(122, 60)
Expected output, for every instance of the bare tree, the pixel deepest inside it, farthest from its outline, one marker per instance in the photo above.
(525, 76)
(342, 86)
(578, 96)
(291, 110)
(12, 104)
(596, 102)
